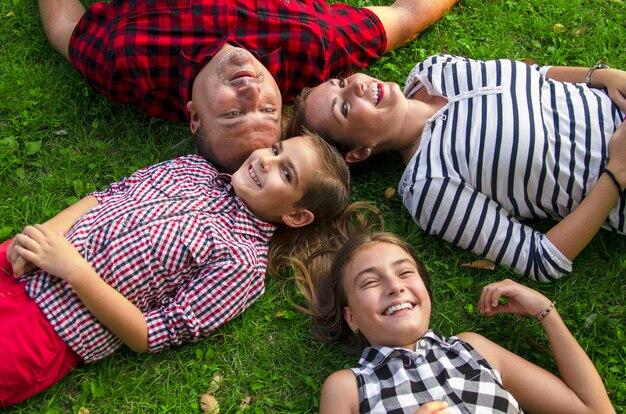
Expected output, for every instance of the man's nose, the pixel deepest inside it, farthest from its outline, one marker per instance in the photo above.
(250, 91)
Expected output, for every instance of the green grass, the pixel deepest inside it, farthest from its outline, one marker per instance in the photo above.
(59, 140)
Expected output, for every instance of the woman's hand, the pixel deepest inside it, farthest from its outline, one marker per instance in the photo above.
(41, 247)
(614, 80)
(519, 299)
(19, 265)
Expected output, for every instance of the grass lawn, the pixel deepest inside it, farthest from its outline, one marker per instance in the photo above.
(59, 140)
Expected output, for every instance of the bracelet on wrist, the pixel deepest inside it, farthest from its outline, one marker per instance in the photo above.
(610, 174)
(545, 313)
(591, 70)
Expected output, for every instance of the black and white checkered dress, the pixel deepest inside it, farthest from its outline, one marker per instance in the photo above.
(396, 380)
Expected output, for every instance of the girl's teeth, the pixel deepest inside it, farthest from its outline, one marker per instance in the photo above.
(375, 93)
(393, 309)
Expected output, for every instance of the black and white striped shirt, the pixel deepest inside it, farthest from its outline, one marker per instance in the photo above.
(510, 144)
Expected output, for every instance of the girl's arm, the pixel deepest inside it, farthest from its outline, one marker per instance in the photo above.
(340, 394)
(614, 80)
(61, 223)
(577, 229)
(580, 388)
(54, 254)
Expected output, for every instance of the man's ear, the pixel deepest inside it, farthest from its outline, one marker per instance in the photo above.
(358, 154)
(298, 218)
(194, 119)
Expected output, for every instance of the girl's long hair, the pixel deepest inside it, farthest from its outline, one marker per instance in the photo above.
(320, 279)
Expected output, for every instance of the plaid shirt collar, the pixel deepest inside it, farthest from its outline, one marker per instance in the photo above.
(244, 215)
(372, 357)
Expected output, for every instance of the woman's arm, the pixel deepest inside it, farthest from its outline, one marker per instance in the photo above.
(614, 80)
(577, 229)
(340, 394)
(580, 388)
(61, 223)
(54, 254)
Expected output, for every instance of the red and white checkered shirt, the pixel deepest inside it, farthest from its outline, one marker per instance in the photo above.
(147, 53)
(174, 242)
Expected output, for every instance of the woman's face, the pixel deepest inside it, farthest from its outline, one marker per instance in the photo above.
(359, 108)
(387, 299)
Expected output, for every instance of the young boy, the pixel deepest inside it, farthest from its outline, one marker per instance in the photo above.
(160, 258)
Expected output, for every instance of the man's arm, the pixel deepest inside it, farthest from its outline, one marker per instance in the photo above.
(404, 19)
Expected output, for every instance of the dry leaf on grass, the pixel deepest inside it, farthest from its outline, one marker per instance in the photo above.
(208, 404)
(559, 28)
(245, 402)
(215, 383)
(480, 264)
(83, 410)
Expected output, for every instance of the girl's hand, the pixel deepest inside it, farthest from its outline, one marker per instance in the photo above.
(49, 251)
(519, 299)
(19, 265)
(432, 407)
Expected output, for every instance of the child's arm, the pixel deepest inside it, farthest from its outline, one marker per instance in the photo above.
(614, 80)
(61, 223)
(340, 393)
(580, 388)
(54, 254)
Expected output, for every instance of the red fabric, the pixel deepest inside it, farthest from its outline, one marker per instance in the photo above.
(147, 53)
(33, 356)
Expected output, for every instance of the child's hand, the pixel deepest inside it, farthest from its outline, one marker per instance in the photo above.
(43, 248)
(19, 265)
(617, 154)
(519, 299)
(615, 82)
(432, 407)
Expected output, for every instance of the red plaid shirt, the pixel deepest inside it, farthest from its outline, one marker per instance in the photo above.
(147, 53)
(173, 241)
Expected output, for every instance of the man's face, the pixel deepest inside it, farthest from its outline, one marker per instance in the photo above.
(235, 108)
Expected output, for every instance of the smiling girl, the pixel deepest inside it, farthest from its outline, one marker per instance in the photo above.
(376, 301)
(160, 258)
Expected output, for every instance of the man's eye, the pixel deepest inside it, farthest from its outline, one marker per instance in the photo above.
(269, 110)
(344, 109)
(233, 114)
(275, 149)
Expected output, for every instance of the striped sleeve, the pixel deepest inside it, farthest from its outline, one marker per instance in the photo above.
(467, 218)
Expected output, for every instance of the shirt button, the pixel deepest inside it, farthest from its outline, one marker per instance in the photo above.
(422, 343)
(224, 38)
(419, 359)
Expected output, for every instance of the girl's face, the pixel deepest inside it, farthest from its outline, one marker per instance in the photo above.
(358, 106)
(273, 180)
(387, 299)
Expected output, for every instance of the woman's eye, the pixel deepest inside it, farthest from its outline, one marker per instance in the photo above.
(344, 109)
(269, 110)
(406, 273)
(275, 149)
(342, 83)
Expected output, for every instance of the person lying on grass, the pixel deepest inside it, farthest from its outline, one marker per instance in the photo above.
(160, 258)
(225, 66)
(374, 299)
(488, 144)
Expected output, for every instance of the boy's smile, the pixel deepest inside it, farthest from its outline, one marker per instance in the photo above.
(387, 299)
(273, 180)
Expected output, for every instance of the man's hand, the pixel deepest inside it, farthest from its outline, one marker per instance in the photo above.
(432, 407)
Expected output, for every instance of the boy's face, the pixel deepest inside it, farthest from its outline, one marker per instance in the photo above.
(272, 180)
(387, 299)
